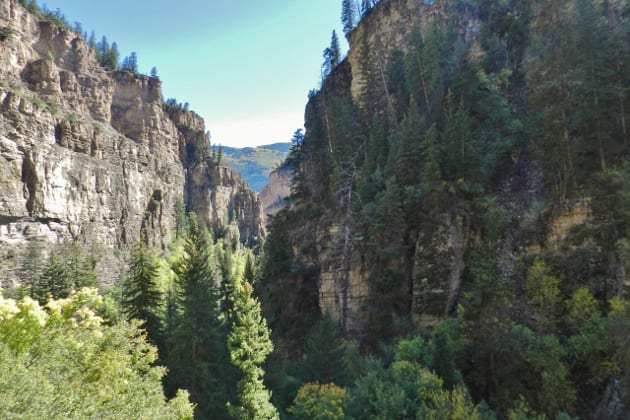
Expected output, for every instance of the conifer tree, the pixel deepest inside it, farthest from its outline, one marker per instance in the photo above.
(433, 68)
(249, 345)
(366, 6)
(548, 69)
(142, 298)
(66, 269)
(249, 272)
(410, 152)
(348, 12)
(197, 355)
(103, 51)
(130, 63)
(324, 350)
(332, 55)
(336, 49)
(220, 156)
(112, 57)
(92, 40)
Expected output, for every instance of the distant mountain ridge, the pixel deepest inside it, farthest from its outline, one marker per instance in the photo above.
(256, 163)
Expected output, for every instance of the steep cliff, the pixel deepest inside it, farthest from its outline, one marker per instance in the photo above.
(89, 156)
(278, 188)
(416, 162)
(337, 240)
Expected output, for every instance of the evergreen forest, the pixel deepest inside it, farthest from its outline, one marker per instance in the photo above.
(434, 186)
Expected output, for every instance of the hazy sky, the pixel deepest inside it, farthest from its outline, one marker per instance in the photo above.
(245, 66)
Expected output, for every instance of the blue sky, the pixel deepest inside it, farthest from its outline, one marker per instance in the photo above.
(245, 66)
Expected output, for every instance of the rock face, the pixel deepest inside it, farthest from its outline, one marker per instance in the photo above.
(89, 156)
(273, 195)
(434, 271)
(387, 28)
(221, 198)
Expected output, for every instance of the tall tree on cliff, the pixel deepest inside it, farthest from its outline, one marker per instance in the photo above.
(548, 68)
(366, 6)
(348, 15)
(332, 55)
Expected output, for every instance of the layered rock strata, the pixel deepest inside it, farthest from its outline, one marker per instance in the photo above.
(89, 156)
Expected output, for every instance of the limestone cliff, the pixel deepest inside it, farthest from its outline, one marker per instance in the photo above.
(90, 156)
(273, 195)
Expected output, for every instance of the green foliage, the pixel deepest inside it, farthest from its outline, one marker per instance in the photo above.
(319, 402)
(67, 268)
(348, 15)
(332, 55)
(325, 354)
(141, 297)
(63, 361)
(108, 56)
(542, 289)
(249, 345)
(196, 352)
(130, 63)
(406, 391)
(581, 306)
(256, 163)
(6, 33)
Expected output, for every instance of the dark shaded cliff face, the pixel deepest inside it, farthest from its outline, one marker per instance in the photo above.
(331, 245)
(86, 155)
(390, 224)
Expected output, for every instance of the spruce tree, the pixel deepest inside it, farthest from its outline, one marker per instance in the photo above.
(549, 67)
(142, 298)
(366, 6)
(196, 351)
(112, 57)
(410, 152)
(249, 344)
(347, 15)
(332, 55)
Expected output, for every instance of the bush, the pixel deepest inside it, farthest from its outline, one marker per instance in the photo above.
(6, 33)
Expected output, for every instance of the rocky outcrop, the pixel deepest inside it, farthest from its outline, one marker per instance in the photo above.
(433, 271)
(387, 27)
(219, 196)
(89, 156)
(273, 195)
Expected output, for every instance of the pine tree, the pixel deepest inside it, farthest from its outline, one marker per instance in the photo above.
(220, 156)
(324, 350)
(197, 355)
(66, 269)
(249, 345)
(142, 298)
(460, 161)
(130, 63)
(32, 265)
(111, 61)
(348, 15)
(548, 68)
(431, 58)
(366, 6)
(92, 40)
(332, 55)
(410, 153)
(249, 272)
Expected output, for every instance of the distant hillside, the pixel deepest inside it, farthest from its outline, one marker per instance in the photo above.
(255, 163)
